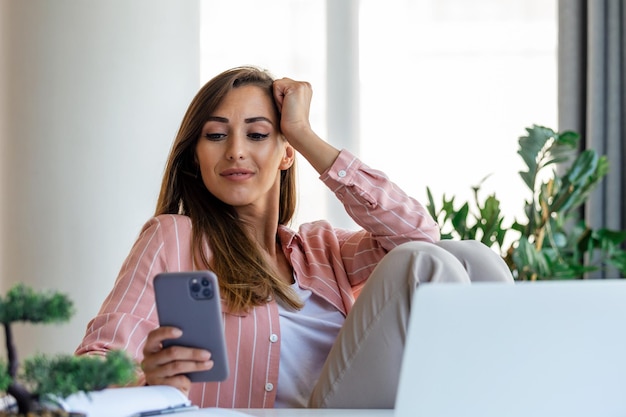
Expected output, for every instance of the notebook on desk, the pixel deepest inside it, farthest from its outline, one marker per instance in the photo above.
(538, 349)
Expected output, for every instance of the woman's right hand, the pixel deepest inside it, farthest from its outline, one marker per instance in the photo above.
(168, 366)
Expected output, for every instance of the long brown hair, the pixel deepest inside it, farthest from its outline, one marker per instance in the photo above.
(246, 279)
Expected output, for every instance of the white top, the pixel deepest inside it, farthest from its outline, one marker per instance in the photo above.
(307, 336)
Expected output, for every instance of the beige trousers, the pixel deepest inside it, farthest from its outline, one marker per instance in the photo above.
(363, 367)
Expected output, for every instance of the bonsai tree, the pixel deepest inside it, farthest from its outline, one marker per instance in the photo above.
(552, 242)
(59, 375)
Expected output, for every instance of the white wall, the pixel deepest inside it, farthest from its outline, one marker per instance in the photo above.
(94, 92)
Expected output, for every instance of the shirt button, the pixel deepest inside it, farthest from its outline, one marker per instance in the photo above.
(273, 338)
(341, 173)
(269, 386)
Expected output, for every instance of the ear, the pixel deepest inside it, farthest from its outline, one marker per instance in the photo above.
(288, 157)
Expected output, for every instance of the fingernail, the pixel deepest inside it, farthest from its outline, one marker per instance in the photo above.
(177, 332)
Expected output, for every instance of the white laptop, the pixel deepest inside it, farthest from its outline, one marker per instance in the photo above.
(542, 349)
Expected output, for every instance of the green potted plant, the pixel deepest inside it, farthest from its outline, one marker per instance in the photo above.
(552, 241)
(42, 378)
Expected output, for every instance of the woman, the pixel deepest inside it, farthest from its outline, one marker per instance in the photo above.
(288, 297)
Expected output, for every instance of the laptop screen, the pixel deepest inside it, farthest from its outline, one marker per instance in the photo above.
(551, 348)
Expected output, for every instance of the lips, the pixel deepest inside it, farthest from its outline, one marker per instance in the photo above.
(236, 174)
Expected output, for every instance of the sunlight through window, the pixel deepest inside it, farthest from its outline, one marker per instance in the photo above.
(446, 86)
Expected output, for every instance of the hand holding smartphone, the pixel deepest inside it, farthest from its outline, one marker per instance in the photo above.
(190, 301)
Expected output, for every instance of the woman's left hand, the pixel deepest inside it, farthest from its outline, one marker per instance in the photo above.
(168, 366)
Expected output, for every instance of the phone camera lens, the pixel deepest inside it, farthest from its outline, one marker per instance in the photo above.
(205, 282)
(207, 293)
(195, 287)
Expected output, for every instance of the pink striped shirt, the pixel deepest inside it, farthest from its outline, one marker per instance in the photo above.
(333, 263)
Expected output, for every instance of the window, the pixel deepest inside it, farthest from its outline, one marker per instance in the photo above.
(287, 37)
(446, 86)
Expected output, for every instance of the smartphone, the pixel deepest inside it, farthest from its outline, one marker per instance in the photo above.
(191, 302)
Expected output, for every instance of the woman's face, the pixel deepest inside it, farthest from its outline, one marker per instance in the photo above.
(241, 151)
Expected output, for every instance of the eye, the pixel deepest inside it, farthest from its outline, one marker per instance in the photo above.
(214, 136)
(258, 136)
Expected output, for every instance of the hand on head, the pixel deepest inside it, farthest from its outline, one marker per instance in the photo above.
(168, 366)
(293, 99)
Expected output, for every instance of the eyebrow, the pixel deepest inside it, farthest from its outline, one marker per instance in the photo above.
(248, 120)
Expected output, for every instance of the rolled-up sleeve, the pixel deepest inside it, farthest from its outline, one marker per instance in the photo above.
(377, 204)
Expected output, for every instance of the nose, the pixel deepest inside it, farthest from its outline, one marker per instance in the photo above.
(236, 147)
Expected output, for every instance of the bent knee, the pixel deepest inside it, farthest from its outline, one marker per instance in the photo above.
(426, 262)
(481, 262)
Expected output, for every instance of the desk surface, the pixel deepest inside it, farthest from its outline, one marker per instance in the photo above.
(308, 412)
(285, 412)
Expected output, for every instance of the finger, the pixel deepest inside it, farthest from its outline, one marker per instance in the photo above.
(176, 360)
(183, 366)
(181, 382)
(173, 373)
(154, 341)
(279, 92)
(179, 353)
(177, 368)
